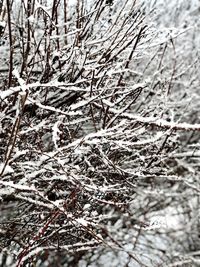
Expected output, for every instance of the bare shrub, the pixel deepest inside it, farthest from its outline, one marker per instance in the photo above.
(91, 128)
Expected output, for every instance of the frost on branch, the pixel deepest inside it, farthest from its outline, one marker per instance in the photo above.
(99, 134)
